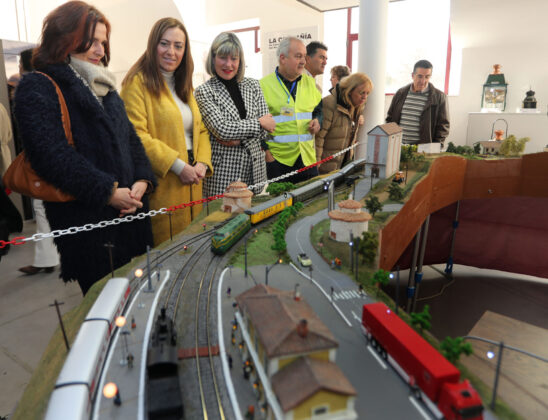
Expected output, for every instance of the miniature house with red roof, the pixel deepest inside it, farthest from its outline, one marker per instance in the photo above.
(296, 352)
(237, 198)
(348, 219)
(383, 150)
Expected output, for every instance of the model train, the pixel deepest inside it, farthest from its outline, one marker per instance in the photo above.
(429, 374)
(229, 234)
(76, 385)
(164, 398)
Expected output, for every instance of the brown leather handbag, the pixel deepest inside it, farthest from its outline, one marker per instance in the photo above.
(21, 178)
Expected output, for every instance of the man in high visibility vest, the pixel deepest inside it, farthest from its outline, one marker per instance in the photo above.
(295, 105)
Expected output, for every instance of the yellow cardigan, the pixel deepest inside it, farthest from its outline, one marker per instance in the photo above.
(159, 124)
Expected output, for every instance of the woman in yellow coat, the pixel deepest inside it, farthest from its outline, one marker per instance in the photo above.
(160, 103)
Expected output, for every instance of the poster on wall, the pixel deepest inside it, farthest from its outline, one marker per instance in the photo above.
(273, 39)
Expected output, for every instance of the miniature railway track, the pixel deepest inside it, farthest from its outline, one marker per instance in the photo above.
(209, 389)
(188, 303)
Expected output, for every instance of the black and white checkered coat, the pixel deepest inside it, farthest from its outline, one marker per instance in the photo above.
(220, 115)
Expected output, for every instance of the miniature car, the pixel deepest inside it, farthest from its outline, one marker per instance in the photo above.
(304, 260)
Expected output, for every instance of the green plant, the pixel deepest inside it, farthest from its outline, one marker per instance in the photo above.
(373, 205)
(395, 192)
(421, 320)
(381, 277)
(408, 153)
(369, 243)
(451, 148)
(278, 231)
(452, 348)
(276, 188)
(512, 147)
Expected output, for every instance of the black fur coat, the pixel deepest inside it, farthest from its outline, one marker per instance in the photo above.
(107, 150)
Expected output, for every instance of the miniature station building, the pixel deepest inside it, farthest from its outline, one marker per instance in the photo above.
(490, 147)
(296, 351)
(237, 198)
(349, 218)
(383, 150)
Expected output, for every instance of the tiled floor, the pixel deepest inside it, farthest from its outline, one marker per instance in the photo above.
(26, 319)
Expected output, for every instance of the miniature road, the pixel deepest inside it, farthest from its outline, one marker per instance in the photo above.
(382, 394)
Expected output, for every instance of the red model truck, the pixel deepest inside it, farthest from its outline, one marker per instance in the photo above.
(428, 373)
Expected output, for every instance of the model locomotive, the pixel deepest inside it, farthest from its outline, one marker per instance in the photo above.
(164, 399)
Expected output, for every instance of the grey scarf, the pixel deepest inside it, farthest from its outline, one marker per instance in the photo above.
(97, 77)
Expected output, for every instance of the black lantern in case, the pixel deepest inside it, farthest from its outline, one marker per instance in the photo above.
(494, 91)
(530, 102)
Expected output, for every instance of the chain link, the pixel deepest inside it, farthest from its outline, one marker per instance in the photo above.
(20, 240)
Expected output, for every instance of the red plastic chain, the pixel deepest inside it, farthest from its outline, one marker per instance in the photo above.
(14, 241)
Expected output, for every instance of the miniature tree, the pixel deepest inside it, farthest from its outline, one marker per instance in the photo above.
(381, 277)
(477, 148)
(276, 188)
(395, 192)
(512, 147)
(373, 205)
(408, 153)
(421, 320)
(451, 148)
(452, 348)
(369, 244)
(278, 231)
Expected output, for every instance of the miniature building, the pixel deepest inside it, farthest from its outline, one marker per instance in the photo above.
(350, 218)
(237, 198)
(297, 353)
(490, 147)
(429, 148)
(384, 149)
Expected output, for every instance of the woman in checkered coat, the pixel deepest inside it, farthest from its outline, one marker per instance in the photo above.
(235, 113)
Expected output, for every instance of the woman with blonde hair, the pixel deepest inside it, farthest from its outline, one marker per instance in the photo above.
(160, 103)
(236, 115)
(342, 111)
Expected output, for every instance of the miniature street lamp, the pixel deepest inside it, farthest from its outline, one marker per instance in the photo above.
(139, 273)
(267, 269)
(351, 245)
(310, 270)
(110, 390)
(397, 286)
(245, 253)
(149, 288)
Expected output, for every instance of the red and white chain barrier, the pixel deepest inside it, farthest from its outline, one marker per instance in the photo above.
(20, 240)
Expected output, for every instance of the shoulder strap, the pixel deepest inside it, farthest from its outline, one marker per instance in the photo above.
(65, 118)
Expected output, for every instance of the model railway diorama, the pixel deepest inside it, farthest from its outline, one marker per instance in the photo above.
(430, 378)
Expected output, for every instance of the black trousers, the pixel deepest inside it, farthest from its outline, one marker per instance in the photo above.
(275, 169)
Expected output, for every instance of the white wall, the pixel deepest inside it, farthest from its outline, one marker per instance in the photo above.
(274, 15)
(504, 32)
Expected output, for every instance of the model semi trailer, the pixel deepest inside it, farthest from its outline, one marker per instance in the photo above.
(428, 373)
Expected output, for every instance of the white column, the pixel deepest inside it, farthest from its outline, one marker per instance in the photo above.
(372, 61)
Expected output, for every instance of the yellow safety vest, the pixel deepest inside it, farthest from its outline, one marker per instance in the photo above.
(291, 137)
